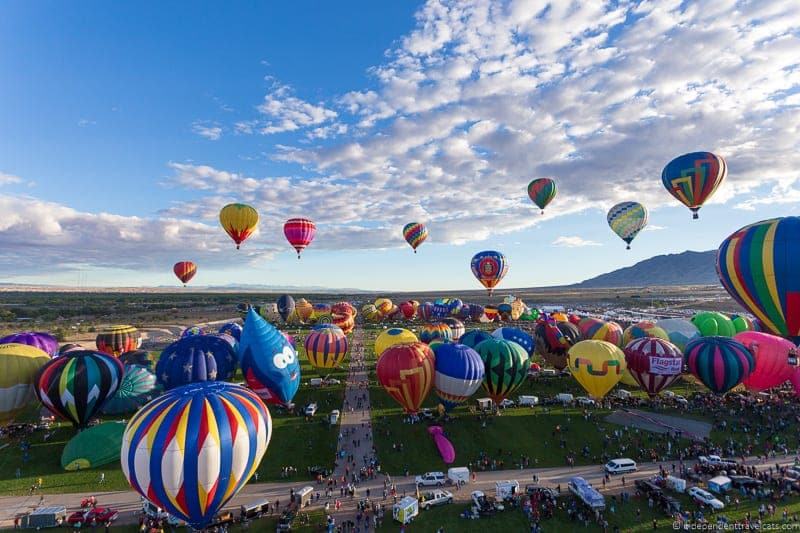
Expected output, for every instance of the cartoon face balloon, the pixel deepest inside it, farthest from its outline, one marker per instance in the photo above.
(269, 363)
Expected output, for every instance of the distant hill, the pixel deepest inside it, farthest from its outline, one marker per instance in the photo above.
(687, 268)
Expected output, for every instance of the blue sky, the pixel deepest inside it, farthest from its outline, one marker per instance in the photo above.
(124, 128)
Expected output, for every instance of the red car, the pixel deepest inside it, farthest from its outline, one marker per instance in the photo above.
(97, 515)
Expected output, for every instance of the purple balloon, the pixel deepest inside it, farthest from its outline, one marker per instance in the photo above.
(44, 341)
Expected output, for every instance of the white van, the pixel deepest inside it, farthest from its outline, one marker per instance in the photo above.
(311, 409)
(334, 417)
(503, 490)
(484, 404)
(548, 373)
(315, 382)
(620, 466)
(528, 401)
(458, 475)
(622, 394)
(565, 397)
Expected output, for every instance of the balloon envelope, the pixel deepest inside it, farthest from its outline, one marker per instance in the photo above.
(474, 337)
(184, 271)
(415, 234)
(326, 346)
(712, 324)
(654, 363)
(459, 373)
(515, 335)
(679, 330)
(643, 330)
(406, 372)
(239, 221)
(597, 366)
(489, 268)
(136, 389)
(505, 366)
(390, 337)
(269, 363)
(771, 355)
(553, 341)
(19, 364)
(118, 339)
(542, 191)
(720, 363)
(95, 446)
(627, 219)
(299, 232)
(233, 329)
(693, 178)
(435, 330)
(196, 358)
(600, 330)
(44, 341)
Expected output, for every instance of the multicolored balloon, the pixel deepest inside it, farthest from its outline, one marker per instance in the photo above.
(231, 328)
(643, 330)
(679, 330)
(285, 306)
(771, 354)
(516, 335)
(459, 373)
(383, 305)
(456, 327)
(489, 267)
(136, 389)
(191, 450)
(269, 363)
(627, 219)
(712, 324)
(597, 366)
(239, 221)
(370, 313)
(118, 339)
(757, 265)
(137, 357)
(476, 312)
(184, 271)
(192, 331)
(75, 385)
(196, 358)
(425, 311)
(600, 330)
(299, 232)
(505, 366)
(44, 341)
(553, 341)
(542, 191)
(654, 363)
(391, 337)
(474, 337)
(720, 363)
(19, 364)
(406, 372)
(693, 178)
(435, 330)
(326, 346)
(415, 234)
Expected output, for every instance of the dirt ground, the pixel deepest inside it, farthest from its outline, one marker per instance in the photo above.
(657, 423)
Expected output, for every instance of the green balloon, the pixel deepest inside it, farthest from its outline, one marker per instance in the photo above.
(93, 447)
(714, 324)
(506, 364)
(741, 324)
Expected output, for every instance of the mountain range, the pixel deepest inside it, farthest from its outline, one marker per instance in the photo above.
(686, 268)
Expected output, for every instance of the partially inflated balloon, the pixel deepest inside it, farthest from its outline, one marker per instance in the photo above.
(408, 310)
(239, 221)
(771, 354)
(285, 306)
(415, 234)
(383, 305)
(720, 363)
(679, 330)
(489, 267)
(231, 328)
(505, 365)
(435, 330)
(553, 341)
(712, 324)
(137, 357)
(136, 389)
(542, 191)
(597, 366)
(304, 309)
(474, 337)
(693, 178)
(75, 385)
(742, 323)
(118, 339)
(627, 219)
(299, 232)
(643, 330)
(456, 327)
(269, 363)
(184, 271)
(44, 341)
(19, 364)
(459, 373)
(600, 330)
(370, 313)
(191, 450)
(196, 358)
(654, 363)
(406, 372)
(515, 335)
(425, 311)
(475, 312)
(392, 336)
(326, 347)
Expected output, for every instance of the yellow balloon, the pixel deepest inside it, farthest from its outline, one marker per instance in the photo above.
(383, 305)
(370, 313)
(597, 366)
(393, 336)
(559, 317)
(304, 309)
(239, 221)
(18, 366)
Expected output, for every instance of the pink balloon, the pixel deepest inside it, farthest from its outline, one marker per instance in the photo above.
(772, 359)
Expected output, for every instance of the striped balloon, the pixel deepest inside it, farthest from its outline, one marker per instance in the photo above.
(299, 232)
(693, 178)
(192, 449)
(425, 311)
(642, 330)
(627, 219)
(758, 266)
(326, 346)
(184, 271)
(654, 363)
(474, 337)
(542, 191)
(601, 330)
(75, 385)
(406, 372)
(435, 330)
(415, 234)
(489, 267)
(720, 363)
(505, 365)
(459, 373)
(456, 327)
(118, 339)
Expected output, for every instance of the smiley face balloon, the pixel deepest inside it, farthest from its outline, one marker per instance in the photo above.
(269, 363)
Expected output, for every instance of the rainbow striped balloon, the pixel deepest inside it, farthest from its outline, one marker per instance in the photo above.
(415, 234)
(192, 449)
(758, 266)
(693, 178)
(326, 346)
(542, 191)
(434, 331)
(720, 363)
(299, 232)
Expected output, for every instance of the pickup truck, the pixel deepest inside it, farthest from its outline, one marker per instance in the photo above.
(434, 498)
(716, 460)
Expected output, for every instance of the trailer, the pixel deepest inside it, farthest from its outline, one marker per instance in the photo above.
(587, 494)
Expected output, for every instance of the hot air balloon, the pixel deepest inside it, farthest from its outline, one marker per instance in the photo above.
(383, 305)
(285, 306)
(136, 389)
(304, 310)
(643, 330)
(137, 357)
(627, 219)
(435, 330)
(192, 449)
(370, 313)
(553, 341)
(326, 347)
(19, 364)
(693, 178)
(771, 354)
(742, 323)
(489, 267)
(346, 323)
(505, 366)
(459, 373)
(269, 363)
(406, 372)
(415, 234)
(474, 337)
(95, 446)
(118, 339)
(408, 310)
(231, 328)
(196, 358)
(601, 330)
(299, 232)
(191, 331)
(184, 271)
(454, 306)
(425, 311)
(344, 308)
(654, 363)
(456, 327)
(757, 265)
(44, 341)
(440, 308)
(75, 385)
(712, 324)
(475, 312)
(390, 337)
(679, 330)
(239, 221)
(516, 335)
(69, 347)
(720, 363)
(597, 366)
(542, 191)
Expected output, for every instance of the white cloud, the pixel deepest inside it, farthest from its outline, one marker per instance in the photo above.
(574, 242)
(85, 122)
(654, 227)
(9, 179)
(285, 112)
(211, 132)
